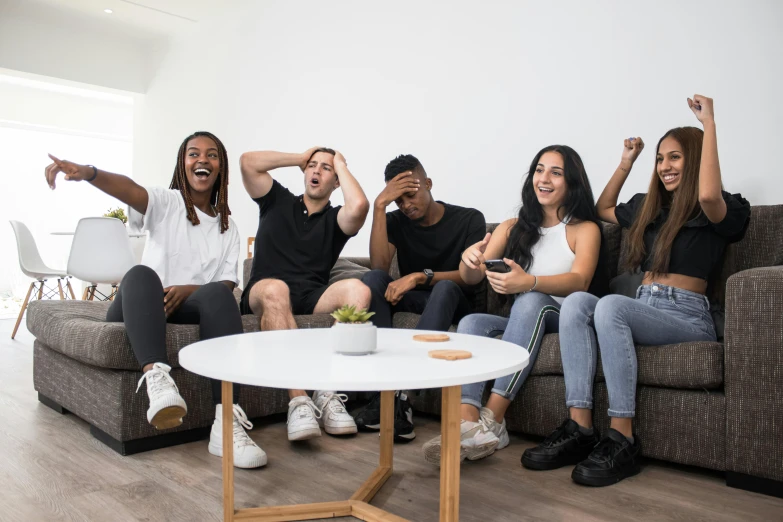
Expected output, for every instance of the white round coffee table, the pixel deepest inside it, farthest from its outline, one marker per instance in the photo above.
(303, 359)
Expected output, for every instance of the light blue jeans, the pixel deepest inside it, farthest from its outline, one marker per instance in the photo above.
(659, 315)
(532, 315)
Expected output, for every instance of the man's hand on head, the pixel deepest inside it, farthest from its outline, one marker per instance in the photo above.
(306, 155)
(401, 184)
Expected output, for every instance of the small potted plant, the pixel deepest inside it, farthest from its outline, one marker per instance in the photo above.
(352, 332)
(117, 213)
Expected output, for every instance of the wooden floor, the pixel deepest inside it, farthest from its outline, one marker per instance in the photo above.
(52, 469)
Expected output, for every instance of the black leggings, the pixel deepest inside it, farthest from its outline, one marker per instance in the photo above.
(139, 304)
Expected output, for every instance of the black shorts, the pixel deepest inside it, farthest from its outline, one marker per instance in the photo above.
(304, 297)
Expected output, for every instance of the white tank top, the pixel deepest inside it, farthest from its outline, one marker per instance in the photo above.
(551, 254)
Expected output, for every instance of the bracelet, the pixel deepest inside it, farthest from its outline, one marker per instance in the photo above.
(535, 283)
(94, 175)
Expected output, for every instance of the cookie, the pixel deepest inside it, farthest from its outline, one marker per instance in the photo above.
(450, 355)
(431, 338)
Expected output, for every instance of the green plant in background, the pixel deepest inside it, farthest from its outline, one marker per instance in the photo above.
(117, 213)
(349, 314)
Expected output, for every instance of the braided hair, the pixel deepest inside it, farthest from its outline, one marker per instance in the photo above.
(219, 196)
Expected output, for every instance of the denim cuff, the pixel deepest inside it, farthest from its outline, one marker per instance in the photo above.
(502, 393)
(620, 414)
(585, 405)
(472, 402)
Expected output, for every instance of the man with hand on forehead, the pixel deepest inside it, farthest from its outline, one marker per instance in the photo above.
(428, 237)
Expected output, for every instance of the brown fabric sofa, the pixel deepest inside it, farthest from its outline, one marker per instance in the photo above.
(714, 405)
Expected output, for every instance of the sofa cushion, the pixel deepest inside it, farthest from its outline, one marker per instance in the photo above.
(697, 365)
(78, 329)
(346, 269)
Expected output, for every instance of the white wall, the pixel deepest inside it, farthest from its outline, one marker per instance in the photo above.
(473, 89)
(54, 41)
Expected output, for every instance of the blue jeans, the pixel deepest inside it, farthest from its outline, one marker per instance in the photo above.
(533, 315)
(659, 315)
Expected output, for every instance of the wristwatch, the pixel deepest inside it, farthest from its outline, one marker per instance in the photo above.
(430, 274)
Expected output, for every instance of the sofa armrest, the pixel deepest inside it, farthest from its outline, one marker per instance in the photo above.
(754, 372)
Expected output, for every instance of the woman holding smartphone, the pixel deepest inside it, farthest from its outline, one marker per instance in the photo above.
(678, 233)
(549, 251)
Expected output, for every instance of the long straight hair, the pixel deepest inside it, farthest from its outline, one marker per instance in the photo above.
(578, 204)
(219, 196)
(683, 203)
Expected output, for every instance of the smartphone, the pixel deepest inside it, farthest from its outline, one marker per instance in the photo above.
(497, 265)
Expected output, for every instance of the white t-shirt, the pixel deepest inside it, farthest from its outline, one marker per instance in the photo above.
(179, 252)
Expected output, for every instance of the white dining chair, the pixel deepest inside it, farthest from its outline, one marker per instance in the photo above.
(33, 266)
(101, 254)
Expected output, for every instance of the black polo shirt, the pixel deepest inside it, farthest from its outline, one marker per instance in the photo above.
(698, 248)
(291, 245)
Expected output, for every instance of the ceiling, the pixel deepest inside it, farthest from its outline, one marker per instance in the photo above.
(144, 18)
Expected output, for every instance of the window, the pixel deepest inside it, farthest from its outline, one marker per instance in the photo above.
(72, 122)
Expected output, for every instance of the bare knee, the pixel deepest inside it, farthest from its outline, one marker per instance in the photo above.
(269, 295)
(358, 294)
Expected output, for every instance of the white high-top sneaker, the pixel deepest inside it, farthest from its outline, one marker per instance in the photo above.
(498, 428)
(476, 442)
(334, 417)
(167, 407)
(303, 419)
(246, 453)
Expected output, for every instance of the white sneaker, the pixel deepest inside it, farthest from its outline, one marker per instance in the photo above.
(167, 407)
(498, 428)
(476, 442)
(334, 417)
(303, 419)
(246, 453)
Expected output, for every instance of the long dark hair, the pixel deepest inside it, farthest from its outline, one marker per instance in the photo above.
(683, 203)
(579, 204)
(219, 196)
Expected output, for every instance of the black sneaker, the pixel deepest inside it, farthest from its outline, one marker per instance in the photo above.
(369, 417)
(565, 446)
(612, 460)
(403, 419)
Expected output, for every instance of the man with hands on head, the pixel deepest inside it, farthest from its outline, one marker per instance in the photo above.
(428, 237)
(298, 241)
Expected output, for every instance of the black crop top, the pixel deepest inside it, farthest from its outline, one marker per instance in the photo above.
(697, 249)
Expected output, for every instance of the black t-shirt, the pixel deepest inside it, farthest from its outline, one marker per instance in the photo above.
(292, 246)
(439, 246)
(697, 249)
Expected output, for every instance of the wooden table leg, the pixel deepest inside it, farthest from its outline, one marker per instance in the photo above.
(382, 473)
(449, 454)
(387, 430)
(357, 506)
(228, 451)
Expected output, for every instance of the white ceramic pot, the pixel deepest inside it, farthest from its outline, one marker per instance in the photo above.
(354, 339)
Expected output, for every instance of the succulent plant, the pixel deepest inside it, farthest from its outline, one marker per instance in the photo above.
(350, 315)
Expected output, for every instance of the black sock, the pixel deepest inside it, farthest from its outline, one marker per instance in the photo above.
(586, 431)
